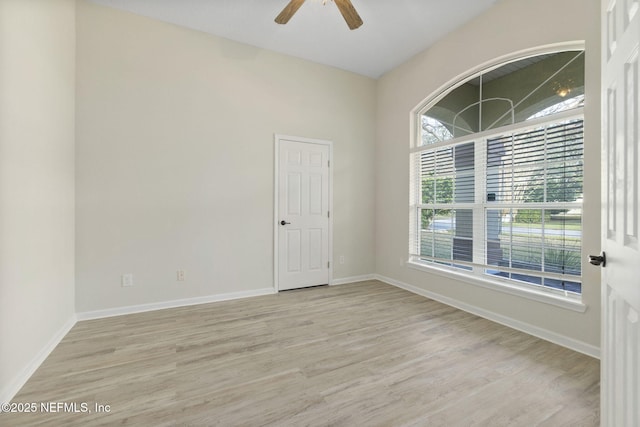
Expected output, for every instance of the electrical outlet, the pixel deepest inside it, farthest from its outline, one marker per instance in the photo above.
(341, 259)
(180, 276)
(127, 280)
(401, 262)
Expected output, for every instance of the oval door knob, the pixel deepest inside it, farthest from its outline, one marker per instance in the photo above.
(283, 222)
(598, 259)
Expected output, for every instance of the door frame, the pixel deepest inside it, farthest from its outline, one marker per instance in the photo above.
(276, 193)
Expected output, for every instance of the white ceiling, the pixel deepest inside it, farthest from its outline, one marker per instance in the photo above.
(393, 30)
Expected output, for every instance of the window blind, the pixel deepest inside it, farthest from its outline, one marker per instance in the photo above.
(507, 205)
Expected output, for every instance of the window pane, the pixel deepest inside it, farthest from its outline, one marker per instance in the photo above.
(464, 182)
(530, 87)
(535, 240)
(447, 234)
(463, 235)
(436, 170)
(448, 174)
(565, 148)
(515, 92)
(563, 242)
(540, 165)
(567, 104)
(434, 131)
(565, 285)
(436, 234)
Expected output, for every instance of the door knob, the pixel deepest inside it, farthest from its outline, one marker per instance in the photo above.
(598, 259)
(283, 222)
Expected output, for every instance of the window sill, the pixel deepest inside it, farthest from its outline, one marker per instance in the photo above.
(566, 302)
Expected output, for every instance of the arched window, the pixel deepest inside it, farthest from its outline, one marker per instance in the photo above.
(498, 169)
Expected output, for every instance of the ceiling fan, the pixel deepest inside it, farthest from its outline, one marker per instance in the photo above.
(346, 9)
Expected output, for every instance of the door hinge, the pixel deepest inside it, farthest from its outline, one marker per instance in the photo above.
(328, 163)
(328, 214)
(328, 264)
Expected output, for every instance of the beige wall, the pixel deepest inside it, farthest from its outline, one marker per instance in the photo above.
(37, 54)
(175, 161)
(502, 30)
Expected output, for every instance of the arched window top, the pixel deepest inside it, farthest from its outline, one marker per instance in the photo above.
(506, 94)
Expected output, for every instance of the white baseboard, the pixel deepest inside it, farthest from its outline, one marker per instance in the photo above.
(352, 279)
(131, 309)
(545, 334)
(9, 391)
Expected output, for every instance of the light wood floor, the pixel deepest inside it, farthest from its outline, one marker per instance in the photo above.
(364, 354)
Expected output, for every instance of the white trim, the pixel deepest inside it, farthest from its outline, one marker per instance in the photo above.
(504, 286)
(352, 279)
(14, 386)
(276, 194)
(545, 334)
(425, 262)
(131, 309)
(520, 127)
(276, 214)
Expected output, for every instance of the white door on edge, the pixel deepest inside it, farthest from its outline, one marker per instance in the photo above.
(303, 207)
(620, 361)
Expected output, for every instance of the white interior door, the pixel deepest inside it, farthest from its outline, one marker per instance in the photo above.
(303, 214)
(620, 377)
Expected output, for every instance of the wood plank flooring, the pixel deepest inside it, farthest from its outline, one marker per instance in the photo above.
(364, 354)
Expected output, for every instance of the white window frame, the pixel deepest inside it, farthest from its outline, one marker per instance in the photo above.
(476, 276)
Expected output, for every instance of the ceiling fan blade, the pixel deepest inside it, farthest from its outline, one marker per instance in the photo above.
(289, 11)
(349, 13)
